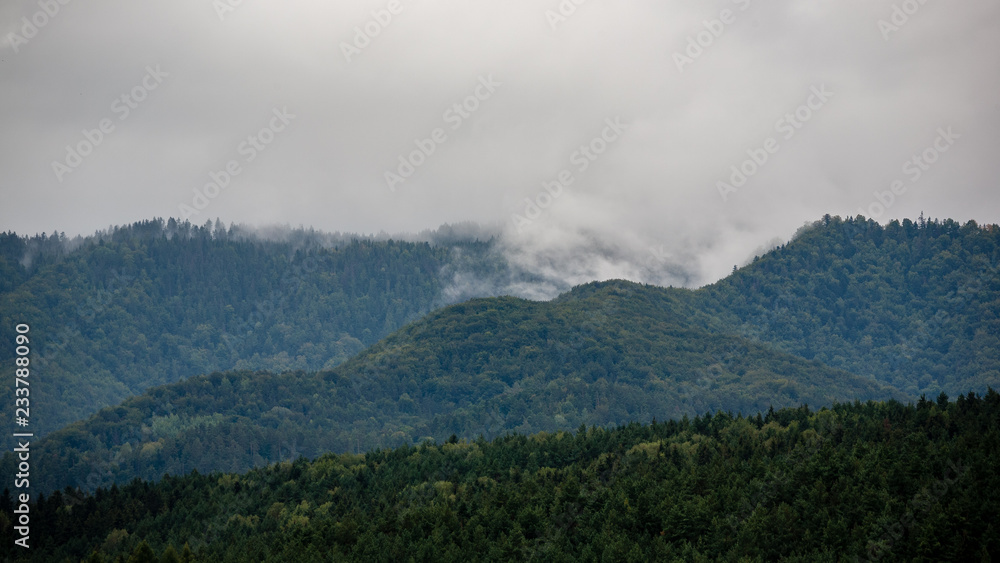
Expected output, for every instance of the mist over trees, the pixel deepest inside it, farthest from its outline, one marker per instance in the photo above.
(897, 311)
(165, 348)
(156, 302)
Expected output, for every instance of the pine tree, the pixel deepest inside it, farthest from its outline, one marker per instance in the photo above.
(143, 554)
(186, 555)
(170, 555)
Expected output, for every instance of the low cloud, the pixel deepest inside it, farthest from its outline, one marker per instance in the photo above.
(644, 206)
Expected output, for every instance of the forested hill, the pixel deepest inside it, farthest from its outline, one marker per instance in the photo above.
(155, 302)
(912, 304)
(606, 354)
(859, 482)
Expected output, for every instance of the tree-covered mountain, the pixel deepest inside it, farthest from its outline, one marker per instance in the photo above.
(608, 353)
(871, 482)
(604, 353)
(157, 302)
(912, 304)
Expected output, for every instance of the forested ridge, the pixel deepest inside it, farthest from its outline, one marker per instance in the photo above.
(903, 309)
(911, 304)
(876, 481)
(607, 353)
(157, 302)
(914, 304)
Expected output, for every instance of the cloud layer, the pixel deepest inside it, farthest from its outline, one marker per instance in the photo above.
(598, 134)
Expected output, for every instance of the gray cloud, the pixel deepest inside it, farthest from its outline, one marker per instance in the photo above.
(647, 208)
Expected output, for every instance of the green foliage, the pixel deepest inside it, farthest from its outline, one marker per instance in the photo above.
(143, 554)
(605, 354)
(913, 305)
(155, 303)
(170, 555)
(874, 481)
(847, 310)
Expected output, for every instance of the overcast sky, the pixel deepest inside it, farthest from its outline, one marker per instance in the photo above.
(311, 104)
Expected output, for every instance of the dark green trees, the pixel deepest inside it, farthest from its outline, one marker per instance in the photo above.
(876, 481)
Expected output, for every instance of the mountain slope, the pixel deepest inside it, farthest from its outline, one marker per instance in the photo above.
(605, 354)
(914, 305)
(155, 303)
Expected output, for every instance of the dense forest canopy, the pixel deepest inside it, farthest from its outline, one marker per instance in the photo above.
(154, 303)
(869, 482)
(609, 353)
(912, 304)
(897, 311)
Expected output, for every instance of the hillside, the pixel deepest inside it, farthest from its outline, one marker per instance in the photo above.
(916, 299)
(872, 482)
(915, 305)
(155, 303)
(605, 354)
